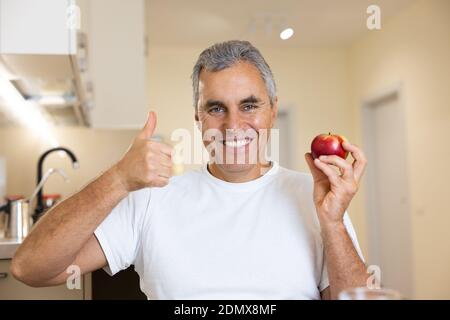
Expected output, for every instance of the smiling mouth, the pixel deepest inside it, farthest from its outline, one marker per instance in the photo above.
(236, 143)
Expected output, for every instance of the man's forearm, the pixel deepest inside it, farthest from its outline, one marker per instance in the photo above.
(59, 235)
(345, 267)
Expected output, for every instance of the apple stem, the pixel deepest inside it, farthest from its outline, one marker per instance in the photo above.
(329, 133)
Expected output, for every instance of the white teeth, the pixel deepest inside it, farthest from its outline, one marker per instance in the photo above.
(236, 144)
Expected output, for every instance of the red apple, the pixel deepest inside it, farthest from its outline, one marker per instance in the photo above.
(328, 144)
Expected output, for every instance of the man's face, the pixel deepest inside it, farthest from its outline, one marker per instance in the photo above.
(234, 102)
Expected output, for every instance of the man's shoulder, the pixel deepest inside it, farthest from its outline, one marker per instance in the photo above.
(293, 176)
(297, 182)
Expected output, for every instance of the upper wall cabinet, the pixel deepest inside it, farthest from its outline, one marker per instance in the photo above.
(83, 61)
(44, 57)
(117, 63)
(37, 27)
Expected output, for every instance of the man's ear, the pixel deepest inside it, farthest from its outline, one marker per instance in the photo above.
(197, 119)
(274, 111)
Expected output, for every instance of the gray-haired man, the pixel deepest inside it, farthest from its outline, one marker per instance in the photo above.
(232, 230)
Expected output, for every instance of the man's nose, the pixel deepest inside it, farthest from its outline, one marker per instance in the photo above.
(233, 120)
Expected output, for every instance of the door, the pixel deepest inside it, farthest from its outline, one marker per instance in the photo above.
(390, 243)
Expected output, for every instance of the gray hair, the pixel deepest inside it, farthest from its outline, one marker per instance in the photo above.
(224, 55)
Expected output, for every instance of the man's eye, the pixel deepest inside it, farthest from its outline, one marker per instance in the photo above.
(216, 110)
(250, 107)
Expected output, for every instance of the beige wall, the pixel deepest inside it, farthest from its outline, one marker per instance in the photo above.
(323, 87)
(413, 50)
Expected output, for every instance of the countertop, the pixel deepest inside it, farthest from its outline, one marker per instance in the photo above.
(8, 247)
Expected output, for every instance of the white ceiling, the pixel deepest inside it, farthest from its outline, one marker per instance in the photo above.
(316, 22)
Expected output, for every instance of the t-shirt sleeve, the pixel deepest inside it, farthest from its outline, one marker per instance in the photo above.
(119, 234)
(324, 282)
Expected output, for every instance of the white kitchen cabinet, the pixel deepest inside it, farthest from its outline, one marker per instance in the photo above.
(42, 49)
(37, 27)
(11, 289)
(117, 63)
(112, 88)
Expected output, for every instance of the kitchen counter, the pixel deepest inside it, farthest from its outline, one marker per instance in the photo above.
(8, 247)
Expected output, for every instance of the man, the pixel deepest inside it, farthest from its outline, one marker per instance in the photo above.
(233, 230)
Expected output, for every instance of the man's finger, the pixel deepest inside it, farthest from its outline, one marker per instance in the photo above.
(360, 162)
(149, 127)
(316, 173)
(165, 172)
(332, 175)
(166, 149)
(165, 160)
(344, 167)
(161, 182)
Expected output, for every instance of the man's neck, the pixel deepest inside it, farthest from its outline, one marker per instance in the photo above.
(253, 173)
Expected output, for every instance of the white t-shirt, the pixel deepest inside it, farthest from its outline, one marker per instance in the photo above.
(200, 237)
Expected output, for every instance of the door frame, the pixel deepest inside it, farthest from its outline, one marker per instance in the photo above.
(367, 130)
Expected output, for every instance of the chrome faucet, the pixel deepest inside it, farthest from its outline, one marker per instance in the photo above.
(40, 202)
(44, 180)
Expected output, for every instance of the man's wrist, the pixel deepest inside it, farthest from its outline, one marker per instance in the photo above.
(114, 174)
(330, 228)
(329, 221)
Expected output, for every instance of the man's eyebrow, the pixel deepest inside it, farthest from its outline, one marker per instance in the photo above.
(211, 103)
(218, 103)
(250, 99)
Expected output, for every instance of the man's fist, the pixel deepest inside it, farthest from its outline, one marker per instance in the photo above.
(147, 163)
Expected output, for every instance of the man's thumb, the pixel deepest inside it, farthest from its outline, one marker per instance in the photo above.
(312, 167)
(149, 127)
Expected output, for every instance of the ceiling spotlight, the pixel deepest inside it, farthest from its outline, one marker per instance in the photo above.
(286, 33)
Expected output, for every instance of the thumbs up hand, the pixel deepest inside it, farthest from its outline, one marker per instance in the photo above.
(147, 163)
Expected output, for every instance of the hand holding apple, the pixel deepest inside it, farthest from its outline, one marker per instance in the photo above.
(333, 192)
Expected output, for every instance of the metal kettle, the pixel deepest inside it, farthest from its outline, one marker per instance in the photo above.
(18, 218)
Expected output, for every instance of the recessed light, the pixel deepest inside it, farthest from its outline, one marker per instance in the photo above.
(286, 33)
